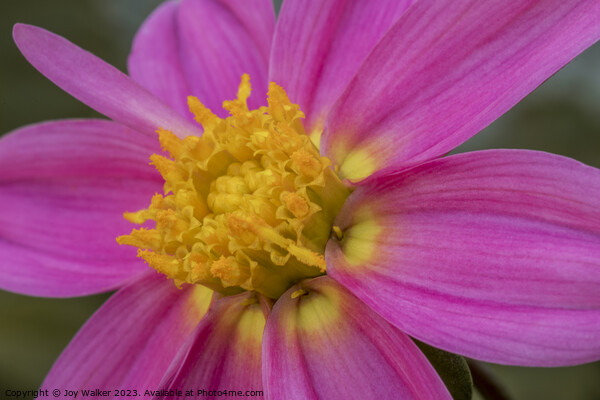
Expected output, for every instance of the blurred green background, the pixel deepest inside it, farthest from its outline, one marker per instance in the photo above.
(562, 116)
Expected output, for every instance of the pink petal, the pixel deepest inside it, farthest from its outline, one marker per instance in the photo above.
(446, 70)
(326, 344)
(216, 49)
(63, 190)
(202, 48)
(97, 84)
(319, 46)
(154, 61)
(494, 255)
(258, 19)
(223, 353)
(131, 340)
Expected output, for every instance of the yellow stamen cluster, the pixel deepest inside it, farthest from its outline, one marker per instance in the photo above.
(247, 206)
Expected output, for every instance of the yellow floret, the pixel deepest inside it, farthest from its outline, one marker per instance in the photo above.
(247, 206)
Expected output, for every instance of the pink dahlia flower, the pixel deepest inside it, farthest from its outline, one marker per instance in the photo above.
(301, 241)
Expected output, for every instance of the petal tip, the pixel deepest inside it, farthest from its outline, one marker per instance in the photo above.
(20, 29)
(25, 35)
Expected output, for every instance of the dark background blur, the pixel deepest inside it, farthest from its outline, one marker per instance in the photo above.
(562, 117)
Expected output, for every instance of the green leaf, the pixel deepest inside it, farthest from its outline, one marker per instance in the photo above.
(453, 370)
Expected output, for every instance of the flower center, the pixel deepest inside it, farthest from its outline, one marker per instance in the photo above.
(247, 206)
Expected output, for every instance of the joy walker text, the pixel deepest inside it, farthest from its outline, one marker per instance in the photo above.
(93, 393)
